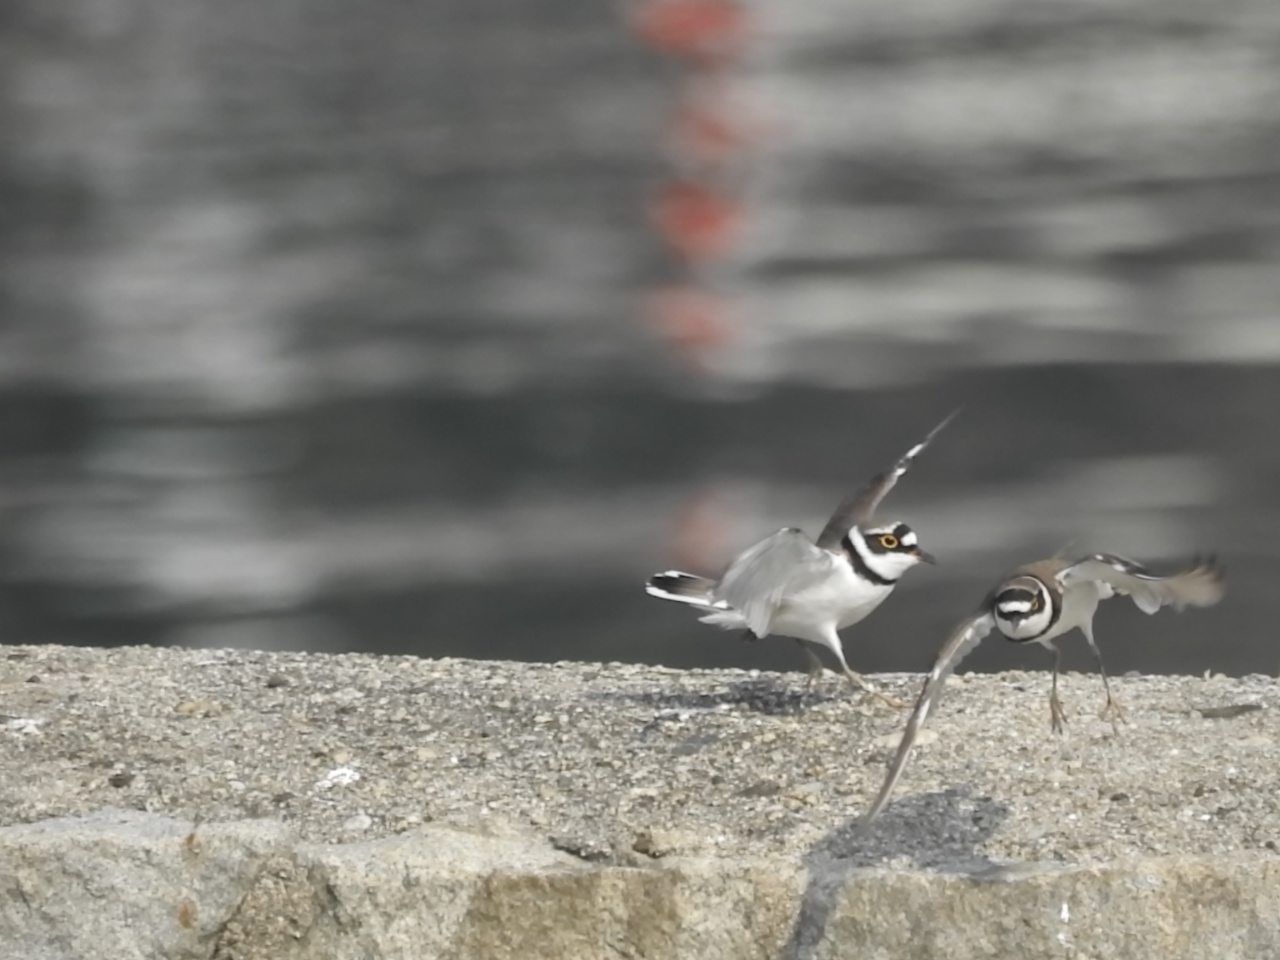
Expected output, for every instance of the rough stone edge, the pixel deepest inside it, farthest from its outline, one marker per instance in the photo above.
(122, 884)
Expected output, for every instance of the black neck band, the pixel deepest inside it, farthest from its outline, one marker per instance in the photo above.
(1055, 600)
(860, 565)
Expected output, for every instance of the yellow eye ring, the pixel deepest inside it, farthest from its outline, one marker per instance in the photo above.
(1035, 603)
(889, 541)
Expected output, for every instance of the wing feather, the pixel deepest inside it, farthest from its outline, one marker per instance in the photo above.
(762, 576)
(962, 640)
(858, 507)
(1200, 585)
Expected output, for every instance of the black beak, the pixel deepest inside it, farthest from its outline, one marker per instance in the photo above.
(923, 556)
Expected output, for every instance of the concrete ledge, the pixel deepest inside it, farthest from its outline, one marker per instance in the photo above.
(127, 885)
(392, 807)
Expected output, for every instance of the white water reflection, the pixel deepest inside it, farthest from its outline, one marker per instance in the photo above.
(211, 546)
(374, 327)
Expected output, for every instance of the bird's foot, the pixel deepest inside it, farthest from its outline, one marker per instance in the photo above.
(813, 684)
(859, 683)
(1057, 716)
(1113, 712)
(890, 700)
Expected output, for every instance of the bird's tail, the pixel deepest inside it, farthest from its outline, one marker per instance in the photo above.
(682, 587)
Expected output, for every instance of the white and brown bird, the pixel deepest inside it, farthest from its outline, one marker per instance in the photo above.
(1039, 603)
(788, 585)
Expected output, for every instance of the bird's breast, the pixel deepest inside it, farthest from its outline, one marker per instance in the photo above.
(843, 598)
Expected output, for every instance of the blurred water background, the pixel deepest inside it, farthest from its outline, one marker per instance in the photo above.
(436, 328)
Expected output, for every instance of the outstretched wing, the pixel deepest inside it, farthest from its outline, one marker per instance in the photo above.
(858, 507)
(761, 576)
(963, 639)
(1200, 585)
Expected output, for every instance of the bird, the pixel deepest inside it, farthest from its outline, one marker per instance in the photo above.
(1040, 602)
(789, 585)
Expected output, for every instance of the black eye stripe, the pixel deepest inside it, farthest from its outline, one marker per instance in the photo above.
(860, 564)
(1036, 608)
(899, 538)
(896, 538)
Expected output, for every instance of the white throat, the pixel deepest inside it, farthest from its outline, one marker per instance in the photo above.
(885, 568)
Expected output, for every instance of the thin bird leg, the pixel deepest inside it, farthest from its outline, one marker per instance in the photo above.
(860, 683)
(1057, 716)
(813, 666)
(1112, 710)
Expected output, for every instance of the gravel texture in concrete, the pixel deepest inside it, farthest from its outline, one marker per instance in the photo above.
(626, 764)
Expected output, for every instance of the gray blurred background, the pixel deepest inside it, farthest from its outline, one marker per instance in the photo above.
(435, 328)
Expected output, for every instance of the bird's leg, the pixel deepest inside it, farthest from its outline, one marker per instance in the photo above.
(813, 667)
(860, 683)
(1057, 716)
(1112, 710)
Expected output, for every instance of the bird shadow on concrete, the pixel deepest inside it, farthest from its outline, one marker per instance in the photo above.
(940, 831)
(772, 696)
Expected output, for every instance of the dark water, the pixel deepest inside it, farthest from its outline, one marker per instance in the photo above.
(358, 326)
(522, 526)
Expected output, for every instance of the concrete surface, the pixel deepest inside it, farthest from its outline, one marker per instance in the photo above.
(238, 804)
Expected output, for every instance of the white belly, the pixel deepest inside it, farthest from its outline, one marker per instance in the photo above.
(839, 601)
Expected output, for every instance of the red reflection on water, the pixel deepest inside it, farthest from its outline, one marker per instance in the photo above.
(710, 127)
(700, 531)
(697, 221)
(706, 31)
(694, 322)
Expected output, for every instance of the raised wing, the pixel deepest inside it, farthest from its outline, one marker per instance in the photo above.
(963, 639)
(1200, 585)
(860, 506)
(761, 576)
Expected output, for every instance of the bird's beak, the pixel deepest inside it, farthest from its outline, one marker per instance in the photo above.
(923, 556)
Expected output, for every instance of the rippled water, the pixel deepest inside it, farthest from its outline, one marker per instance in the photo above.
(370, 327)
(523, 526)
